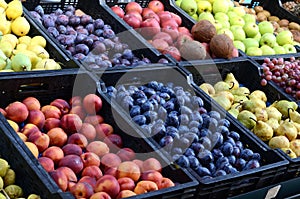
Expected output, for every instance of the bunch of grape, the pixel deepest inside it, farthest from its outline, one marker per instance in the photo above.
(285, 73)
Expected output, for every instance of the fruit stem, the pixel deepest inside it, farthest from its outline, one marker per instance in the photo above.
(231, 85)
(253, 119)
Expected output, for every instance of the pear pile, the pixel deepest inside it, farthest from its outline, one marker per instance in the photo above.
(277, 124)
(253, 30)
(8, 188)
(18, 51)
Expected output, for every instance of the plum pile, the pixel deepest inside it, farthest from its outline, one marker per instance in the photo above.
(89, 40)
(285, 73)
(178, 121)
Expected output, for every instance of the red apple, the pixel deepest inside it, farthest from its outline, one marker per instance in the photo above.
(172, 31)
(152, 15)
(74, 149)
(177, 18)
(146, 11)
(185, 31)
(108, 184)
(58, 137)
(118, 11)
(165, 36)
(126, 154)
(62, 105)
(164, 15)
(92, 104)
(149, 28)
(133, 6)
(169, 22)
(32, 103)
(60, 179)
(82, 190)
(160, 44)
(126, 183)
(46, 163)
(173, 51)
(90, 159)
(156, 5)
(88, 179)
(78, 139)
(92, 171)
(235, 52)
(73, 162)
(132, 21)
(182, 39)
(136, 14)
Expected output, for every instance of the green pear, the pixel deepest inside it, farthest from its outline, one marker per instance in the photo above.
(295, 146)
(263, 130)
(178, 2)
(279, 50)
(265, 27)
(226, 94)
(261, 114)
(7, 48)
(278, 142)
(289, 152)
(222, 86)
(294, 115)
(242, 91)
(273, 123)
(258, 94)
(2, 55)
(20, 62)
(234, 112)
(207, 88)
(252, 104)
(245, 118)
(222, 101)
(239, 99)
(4, 166)
(2, 64)
(231, 79)
(288, 129)
(273, 113)
(189, 6)
(237, 105)
(8, 64)
(206, 15)
(284, 105)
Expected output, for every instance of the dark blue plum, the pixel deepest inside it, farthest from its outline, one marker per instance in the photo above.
(231, 141)
(236, 151)
(88, 41)
(82, 48)
(235, 135)
(222, 162)
(106, 26)
(251, 164)
(127, 54)
(62, 29)
(213, 124)
(175, 157)
(39, 9)
(183, 161)
(172, 120)
(195, 116)
(193, 124)
(220, 172)
(58, 11)
(140, 101)
(227, 148)
(231, 159)
(70, 8)
(127, 102)
(49, 22)
(202, 171)
(147, 106)
(163, 61)
(85, 19)
(165, 96)
(135, 110)
(138, 94)
(159, 130)
(147, 129)
(239, 144)
(246, 154)
(108, 33)
(79, 38)
(169, 106)
(205, 120)
(79, 56)
(223, 130)
(98, 32)
(194, 130)
(256, 156)
(153, 84)
(62, 20)
(183, 143)
(194, 162)
(139, 119)
(212, 167)
(240, 163)
(230, 169)
(182, 129)
(90, 28)
(186, 110)
(196, 102)
(204, 132)
(149, 92)
(74, 20)
(205, 157)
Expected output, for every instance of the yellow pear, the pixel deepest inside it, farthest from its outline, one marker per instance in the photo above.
(294, 115)
(207, 88)
(222, 86)
(258, 94)
(230, 79)
(13, 39)
(295, 146)
(24, 40)
(14, 9)
(273, 123)
(239, 98)
(261, 114)
(288, 129)
(243, 91)
(6, 48)
(32, 56)
(222, 101)
(289, 152)
(278, 142)
(20, 26)
(39, 51)
(21, 46)
(38, 40)
(47, 64)
(3, 4)
(273, 113)
(226, 94)
(5, 27)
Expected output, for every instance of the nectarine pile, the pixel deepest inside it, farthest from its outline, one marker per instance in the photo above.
(80, 151)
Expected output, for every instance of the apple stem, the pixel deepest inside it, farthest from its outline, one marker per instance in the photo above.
(253, 119)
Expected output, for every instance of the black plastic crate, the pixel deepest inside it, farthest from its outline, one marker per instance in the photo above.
(53, 50)
(141, 48)
(28, 174)
(247, 73)
(48, 87)
(273, 164)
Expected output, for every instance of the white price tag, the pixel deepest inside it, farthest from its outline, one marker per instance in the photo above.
(272, 193)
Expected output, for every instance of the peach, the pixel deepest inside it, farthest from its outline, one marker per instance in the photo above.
(3, 112)
(114, 142)
(93, 119)
(51, 123)
(110, 160)
(100, 195)
(75, 101)
(82, 190)
(90, 159)
(58, 137)
(103, 130)
(108, 184)
(62, 105)
(126, 183)
(128, 169)
(60, 179)
(152, 175)
(125, 194)
(55, 153)
(111, 171)
(78, 139)
(70, 185)
(78, 110)
(126, 154)
(145, 186)
(74, 149)
(33, 135)
(88, 130)
(71, 123)
(139, 163)
(92, 171)
(17, 112)
(88, 179)
(41, 141)
(73, 162)
(51, 112)
(29, 128)
(46, 163)
(97, 147)
(69, 173)
(33, 148)
(36, 117)
(92, 104)
(151, 164)
(14, 125)
(22, 136)
(165, 183)
(32, 103)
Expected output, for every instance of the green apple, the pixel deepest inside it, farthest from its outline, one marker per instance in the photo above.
(211, 1)
(257, 37)
(189, 6)
(238, 32)
(225, 24)
(239, 45)
(268, 39)
(284, 37)
(240, 11)
(267, 50)
(231, 14)
(237, 21)
(279, 49)
(227, 32)
(178, 2)
(217, 25)
(203, 6)
(253, 51)
(195, 16)
(231, 4)
(220, 6)
(221, 16)
(289, 48)
(251, 29)
(206, 15)
(265, 27)
(249, 18)
(295, 43)
(250, 42)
